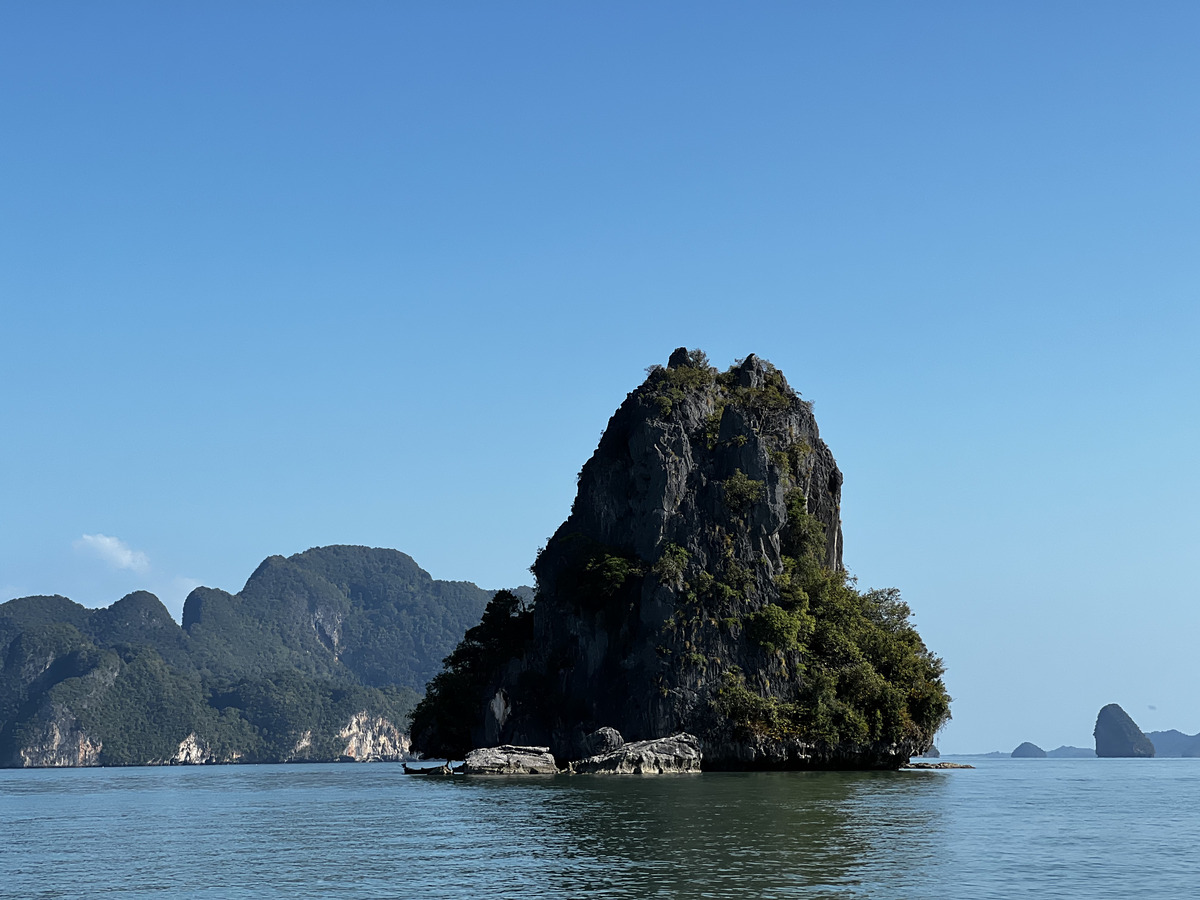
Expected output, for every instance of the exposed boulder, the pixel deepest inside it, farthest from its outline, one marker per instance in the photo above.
(603, 740)
(677, 754)
(1117, 735)
(1028, 751)
(509, 760)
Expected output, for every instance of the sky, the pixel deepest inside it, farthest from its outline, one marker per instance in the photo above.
(282, 275)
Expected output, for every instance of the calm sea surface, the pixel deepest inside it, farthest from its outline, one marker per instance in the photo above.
(1047, 828)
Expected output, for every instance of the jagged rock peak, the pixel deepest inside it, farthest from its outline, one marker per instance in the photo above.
(694, 443)
(1117, 734)
(697, 586)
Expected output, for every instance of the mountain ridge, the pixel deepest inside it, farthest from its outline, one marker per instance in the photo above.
(303, 663)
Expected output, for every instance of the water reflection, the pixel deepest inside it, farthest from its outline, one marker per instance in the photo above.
(1058, 828)
(765, 835)
(372, 832)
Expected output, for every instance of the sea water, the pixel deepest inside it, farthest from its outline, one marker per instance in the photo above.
(1046, 828)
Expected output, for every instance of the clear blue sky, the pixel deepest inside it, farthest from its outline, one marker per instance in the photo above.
(278, 275)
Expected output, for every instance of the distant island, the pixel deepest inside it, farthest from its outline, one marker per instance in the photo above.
(1116, 736)
(1028, 751)
(320, 657)
(1175, 743)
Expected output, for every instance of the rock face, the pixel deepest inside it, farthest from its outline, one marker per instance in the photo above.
(1117, 735)
(196, 751)
(374, 739)
(509, 760)
(193, 751)
(697, 586)
(60, 741)
(678, 754)
(1028, 751)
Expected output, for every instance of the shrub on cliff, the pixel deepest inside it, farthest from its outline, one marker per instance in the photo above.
(442, 721)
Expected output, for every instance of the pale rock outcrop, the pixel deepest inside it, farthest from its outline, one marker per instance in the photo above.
(679, 753)
(302, 743)
(193, 751)
(60, 742)
(509, 760)
(373, 739)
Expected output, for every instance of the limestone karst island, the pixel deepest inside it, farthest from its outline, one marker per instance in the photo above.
(692, 608)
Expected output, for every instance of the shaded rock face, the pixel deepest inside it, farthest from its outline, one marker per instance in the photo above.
(678, 754)
(670, 600)
(659, 480)
(1117, 735)
(509, 760)
(603, 740)
(1028, 751)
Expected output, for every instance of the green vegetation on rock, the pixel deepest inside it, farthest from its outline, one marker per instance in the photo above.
(698, 584)
(441, 722)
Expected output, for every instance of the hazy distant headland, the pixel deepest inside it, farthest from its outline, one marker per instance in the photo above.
(1116, 736)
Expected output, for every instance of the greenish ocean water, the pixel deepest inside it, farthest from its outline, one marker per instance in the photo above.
(1046, 828)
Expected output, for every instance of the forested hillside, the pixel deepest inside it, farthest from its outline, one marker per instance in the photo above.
(320, 656)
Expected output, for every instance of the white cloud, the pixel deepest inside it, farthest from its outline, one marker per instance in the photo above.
(114, 551)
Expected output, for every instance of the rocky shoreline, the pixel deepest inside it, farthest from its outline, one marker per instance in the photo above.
(678, 754)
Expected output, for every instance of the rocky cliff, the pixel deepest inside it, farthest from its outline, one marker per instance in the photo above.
(59, 741)
(1118, 735)
(697, 586)
(373, 739)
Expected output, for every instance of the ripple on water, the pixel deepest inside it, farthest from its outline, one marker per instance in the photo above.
(1053, 828)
